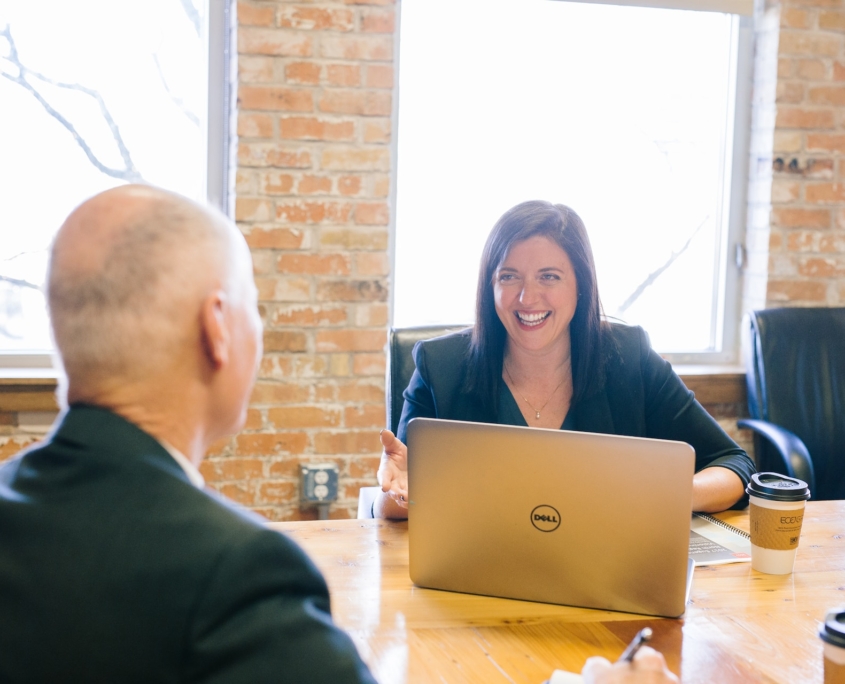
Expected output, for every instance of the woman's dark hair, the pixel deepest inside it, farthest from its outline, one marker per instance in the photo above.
(564, 227)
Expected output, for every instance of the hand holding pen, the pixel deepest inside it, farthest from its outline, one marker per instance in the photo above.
(638, 664)
(639, 639)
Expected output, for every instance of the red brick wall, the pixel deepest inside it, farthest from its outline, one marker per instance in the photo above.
(806, 248)
(315, 97)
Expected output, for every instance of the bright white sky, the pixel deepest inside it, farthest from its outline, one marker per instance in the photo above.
(106, 46)
(618, 112)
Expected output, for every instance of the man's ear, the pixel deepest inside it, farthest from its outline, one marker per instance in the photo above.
(213, 329)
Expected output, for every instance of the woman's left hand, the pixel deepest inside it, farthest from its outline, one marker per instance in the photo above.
(715, 489)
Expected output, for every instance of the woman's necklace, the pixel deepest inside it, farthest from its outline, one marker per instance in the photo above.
(536, 410)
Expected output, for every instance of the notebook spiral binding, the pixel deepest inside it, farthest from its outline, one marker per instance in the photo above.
(723, 524)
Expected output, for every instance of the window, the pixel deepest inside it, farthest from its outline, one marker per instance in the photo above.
(635, 117)
(98, 93)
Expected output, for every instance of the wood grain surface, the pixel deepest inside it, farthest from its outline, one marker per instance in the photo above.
(740, 626)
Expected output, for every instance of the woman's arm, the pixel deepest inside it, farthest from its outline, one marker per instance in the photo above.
(672, 412)
(715, 489)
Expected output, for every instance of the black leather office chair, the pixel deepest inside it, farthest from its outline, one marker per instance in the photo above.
(400, 364)
(795, 370)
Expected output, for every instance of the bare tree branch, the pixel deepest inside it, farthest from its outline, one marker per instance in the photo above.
(129, 173)
(20, 254)
(19, 283)
(654, 275)
(178, 101)
(193, 15)
(10, 304)
(5, 332)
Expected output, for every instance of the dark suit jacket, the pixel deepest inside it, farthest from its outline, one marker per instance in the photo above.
(114, 568)
(642, 397)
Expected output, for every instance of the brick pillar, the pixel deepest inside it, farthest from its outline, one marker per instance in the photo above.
(760, 188)
(315, 91)
(806, 261)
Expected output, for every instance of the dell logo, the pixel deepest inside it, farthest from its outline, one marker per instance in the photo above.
(545, 518)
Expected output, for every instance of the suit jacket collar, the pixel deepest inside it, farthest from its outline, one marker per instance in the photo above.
(106, 435)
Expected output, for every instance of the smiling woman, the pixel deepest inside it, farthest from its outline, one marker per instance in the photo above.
(542, 355)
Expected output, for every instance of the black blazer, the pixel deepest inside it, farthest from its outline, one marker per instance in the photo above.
(642, 397)
(114, 568)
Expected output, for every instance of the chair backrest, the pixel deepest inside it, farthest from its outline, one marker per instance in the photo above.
(400, 363)
(795, 370)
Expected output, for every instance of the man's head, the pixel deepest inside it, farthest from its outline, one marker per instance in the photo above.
(147, 287)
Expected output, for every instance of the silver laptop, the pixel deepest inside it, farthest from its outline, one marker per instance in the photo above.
(573, 518)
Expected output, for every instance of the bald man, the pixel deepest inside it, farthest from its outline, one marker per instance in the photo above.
(115, 564)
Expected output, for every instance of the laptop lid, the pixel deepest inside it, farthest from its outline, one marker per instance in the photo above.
(580, 519)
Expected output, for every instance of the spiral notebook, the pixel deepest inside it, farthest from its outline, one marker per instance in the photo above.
(715, 542)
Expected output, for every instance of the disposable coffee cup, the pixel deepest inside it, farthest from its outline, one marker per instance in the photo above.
(832, 633)
(777, 512)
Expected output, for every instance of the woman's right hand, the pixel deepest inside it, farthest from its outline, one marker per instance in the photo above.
(393, 469)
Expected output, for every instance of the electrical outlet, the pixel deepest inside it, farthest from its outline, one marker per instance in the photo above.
(319, 483)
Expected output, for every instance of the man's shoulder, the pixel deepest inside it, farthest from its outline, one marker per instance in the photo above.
(100, 472)
(192, 532)
(218, 528)
(228, 520)
(193, 569)
(204, 521)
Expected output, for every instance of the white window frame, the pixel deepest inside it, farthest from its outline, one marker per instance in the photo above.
(736, 191)
(222, 82)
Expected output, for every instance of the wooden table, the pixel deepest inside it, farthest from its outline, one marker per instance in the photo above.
(741, 625)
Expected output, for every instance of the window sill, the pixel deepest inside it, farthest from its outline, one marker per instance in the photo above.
(28, 389)
(715, 384)
(23, 389)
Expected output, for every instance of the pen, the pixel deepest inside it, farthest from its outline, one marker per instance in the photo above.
(628, 654)
(642, 636)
